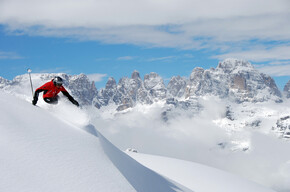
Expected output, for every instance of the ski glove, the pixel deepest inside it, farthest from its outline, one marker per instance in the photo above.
(70, 98)
(35, 97)
(34, 101)
(75, 103)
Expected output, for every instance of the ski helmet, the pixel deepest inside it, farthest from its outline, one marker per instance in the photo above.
(57, 81)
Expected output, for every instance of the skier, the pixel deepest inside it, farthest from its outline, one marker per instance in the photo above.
(50, 91)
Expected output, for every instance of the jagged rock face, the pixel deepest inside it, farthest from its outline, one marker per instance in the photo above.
(233, 79)
(140, 93)
(126, 94)
(136, 75)
(81, 87)
(238, 82)
(111, 84)
(287, 90)
(282, 127)
(154, 84)
(176, 87)
(247, 84)
(127, 89)
(107, 94)
(174, 107)
(131, 91)
(206, 82)
(234, 65)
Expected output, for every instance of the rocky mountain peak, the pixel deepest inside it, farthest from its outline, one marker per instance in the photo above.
(111, 83)
(196, 73)
(176, 86)
(233, 79)
(82, 88)
(234, 65)
(135, 75)
(287, 90)
(155, 85)
(152, 80)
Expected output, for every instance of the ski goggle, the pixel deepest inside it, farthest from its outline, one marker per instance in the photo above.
(58, 83)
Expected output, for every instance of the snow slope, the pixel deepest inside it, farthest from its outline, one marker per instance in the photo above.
(246, 146)
(197, 177)
(54, 148)
(40, 152)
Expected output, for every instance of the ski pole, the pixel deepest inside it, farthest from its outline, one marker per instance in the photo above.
(29, 71)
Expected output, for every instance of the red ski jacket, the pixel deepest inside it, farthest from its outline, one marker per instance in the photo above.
(50, 90)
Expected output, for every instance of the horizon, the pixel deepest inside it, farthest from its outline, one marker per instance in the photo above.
(103, 40)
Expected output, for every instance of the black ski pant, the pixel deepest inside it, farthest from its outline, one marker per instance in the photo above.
(51, 100)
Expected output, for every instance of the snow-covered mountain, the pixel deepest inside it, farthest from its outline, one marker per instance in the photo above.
(233, 79)
(287, 90)
(226, 117)
(132, 91)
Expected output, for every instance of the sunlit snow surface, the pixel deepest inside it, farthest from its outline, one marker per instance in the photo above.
(42, 149)
(55, 148)
(196, 176)
(246, 146)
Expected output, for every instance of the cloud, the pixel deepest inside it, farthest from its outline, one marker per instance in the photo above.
(181, 24)
(167, 58)
(9, 55)
(253, 30)
(96, 77)
(277, 52)
(125, 58)
(276, 70)
(198, 139)
(100, 13)
(52, 70)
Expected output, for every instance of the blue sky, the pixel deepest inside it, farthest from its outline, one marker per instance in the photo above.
(104, 38)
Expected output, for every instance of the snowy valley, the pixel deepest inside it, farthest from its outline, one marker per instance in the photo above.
(230, 122)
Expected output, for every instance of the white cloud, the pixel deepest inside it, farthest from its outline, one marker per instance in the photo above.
(98, 13)
(276, 70)
(53, 70)
(197, 139)
(9, 55)
(225, 25)
(96, 77)
(280, 52)
(167, 58)
(125, 58)
(182, 24)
